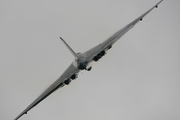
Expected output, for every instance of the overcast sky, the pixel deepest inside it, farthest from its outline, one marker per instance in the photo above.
(138, 79)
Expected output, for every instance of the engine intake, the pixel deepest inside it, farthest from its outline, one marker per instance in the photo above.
(74, 76)
(98, 56)
(67, 81)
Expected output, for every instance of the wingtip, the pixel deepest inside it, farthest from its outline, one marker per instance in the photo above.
(20, 115)
(60, 38)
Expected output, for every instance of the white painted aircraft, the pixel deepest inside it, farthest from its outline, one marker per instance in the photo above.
(82, 61)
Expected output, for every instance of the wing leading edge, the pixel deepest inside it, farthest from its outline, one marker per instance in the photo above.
(57, 84)
(105, 45)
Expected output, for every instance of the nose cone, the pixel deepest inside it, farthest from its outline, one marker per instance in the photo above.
(81, 67)
(82, 64)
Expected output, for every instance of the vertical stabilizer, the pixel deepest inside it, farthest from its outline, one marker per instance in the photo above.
(70, 49)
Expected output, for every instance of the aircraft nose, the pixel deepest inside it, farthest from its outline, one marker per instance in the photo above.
(82, 65)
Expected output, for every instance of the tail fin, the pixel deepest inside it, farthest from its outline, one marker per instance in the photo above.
(70, 49)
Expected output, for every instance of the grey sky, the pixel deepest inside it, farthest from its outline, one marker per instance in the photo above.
(138, 79)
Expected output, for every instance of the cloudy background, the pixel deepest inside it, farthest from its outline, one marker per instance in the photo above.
(138, 79)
